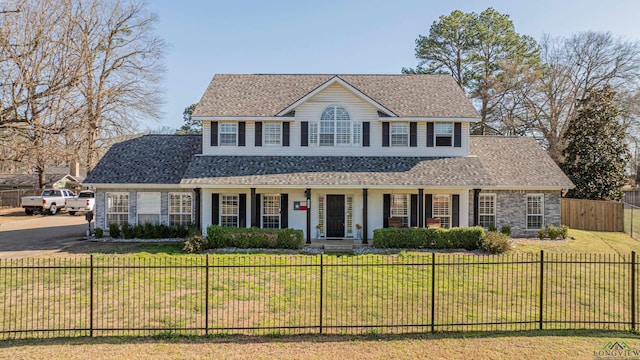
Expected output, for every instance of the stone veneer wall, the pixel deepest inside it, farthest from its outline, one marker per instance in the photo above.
(511, 209)
(100, 206)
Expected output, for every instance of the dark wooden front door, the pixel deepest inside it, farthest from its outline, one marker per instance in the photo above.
(335, 216)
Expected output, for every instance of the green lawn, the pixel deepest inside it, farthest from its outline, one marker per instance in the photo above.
(586, 284)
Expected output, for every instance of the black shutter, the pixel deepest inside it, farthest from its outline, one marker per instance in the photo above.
(285, 134)
(258, 211)
(214, 133)
(255, 209)
(241, 133)
(284, 211)
(414, 210)
(385, 134)
(365, 133)
(258, 141)
(215, 209)
(413, 134)
(429, 134)
(457, 134)
(428, 205)
(386, 209)
(455, 210)
(304, 136)
(242, 221)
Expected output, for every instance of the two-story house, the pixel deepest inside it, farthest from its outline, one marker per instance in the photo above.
(336, 156)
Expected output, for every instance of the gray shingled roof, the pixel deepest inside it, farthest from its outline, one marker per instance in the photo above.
(149, 159)
(517, 161)
(495, 161)
(334, 170)
(268, 94)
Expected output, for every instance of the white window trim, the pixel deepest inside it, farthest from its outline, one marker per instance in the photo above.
(220, 133)
(181, 213)
(262, 212)
(495, 205)
(449, 135)
(391, 133)
(236, 214)
(448, 216)
(106, 207)
(528, 214)
(406, 211)
(264, 133)
(355, 130)
(138, 213)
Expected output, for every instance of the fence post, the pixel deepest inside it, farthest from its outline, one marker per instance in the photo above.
(321, 289)
(541, 284)
(633, 291)
(206, 296)
(91, 295)
(433, 291)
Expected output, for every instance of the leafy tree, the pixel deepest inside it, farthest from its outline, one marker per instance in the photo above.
(596, 154)
(481, 51)
(190, 126)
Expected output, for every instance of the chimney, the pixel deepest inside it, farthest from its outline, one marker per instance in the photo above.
(74, 169)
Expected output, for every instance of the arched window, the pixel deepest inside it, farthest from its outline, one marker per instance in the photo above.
(335, 127)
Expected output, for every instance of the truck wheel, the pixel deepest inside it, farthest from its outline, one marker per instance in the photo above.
(72, 213)
(53, 209)
(28, 211)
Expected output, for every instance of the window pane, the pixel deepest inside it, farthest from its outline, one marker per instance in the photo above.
(271, 211)
(229, 210)
(444, 128)
(117, 208)
(271, 133)
(335, 127)
(180, 208)
(487, 210)
(343, 132)
(227, 134)
(441, 209)
(535, 218)
(399, 135)
(148, 207)
(313, 134)
(400, 207)
(357, 133)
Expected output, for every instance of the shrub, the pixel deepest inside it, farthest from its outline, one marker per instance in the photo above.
(542, 233)
(553, 232)
(220, 237)
(417, 238)
(114, 230)
(495, 243)
(492, 228)
(98, 233)
(506, 230)
(128, 231)
(564, 231)
(194, 243)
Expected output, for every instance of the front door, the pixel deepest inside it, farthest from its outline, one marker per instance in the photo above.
(335, 216)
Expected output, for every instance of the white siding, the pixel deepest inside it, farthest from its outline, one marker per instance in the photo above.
(359, 111)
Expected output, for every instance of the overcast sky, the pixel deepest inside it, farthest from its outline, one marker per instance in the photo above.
(338, 37)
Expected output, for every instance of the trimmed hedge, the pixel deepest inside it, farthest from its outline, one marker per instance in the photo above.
(468, 238)
(246, 238)
(149, 231)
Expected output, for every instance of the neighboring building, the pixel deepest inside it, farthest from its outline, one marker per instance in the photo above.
(322, 153)
(56, 177)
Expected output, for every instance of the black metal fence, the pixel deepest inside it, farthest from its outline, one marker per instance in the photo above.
(301, 294)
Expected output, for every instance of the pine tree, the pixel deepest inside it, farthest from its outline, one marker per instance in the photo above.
(596, 153)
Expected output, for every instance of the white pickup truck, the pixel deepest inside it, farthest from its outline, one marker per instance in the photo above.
(50, 201)
(82, 203)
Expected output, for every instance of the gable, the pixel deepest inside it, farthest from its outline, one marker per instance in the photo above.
(265, 95)
(335, 95)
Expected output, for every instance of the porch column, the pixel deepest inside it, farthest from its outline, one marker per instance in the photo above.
(420, 208)
(308, 194)
(476, 206)
(365, 211)
(254, 209)
(198, 210)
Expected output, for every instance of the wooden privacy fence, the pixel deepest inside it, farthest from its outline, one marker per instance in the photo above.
(595, 215)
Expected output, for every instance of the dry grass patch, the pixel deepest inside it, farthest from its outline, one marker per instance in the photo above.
(510, 345)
